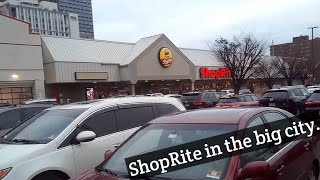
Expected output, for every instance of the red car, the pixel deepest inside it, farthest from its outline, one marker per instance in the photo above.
(297, 160)
(312, 105)
(238, 100)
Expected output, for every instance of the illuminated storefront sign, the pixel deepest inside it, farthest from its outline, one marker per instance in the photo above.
(165, 57)
(207, 73)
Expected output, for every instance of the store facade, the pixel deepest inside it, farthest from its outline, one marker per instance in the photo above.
(78, 69)
(21, 64)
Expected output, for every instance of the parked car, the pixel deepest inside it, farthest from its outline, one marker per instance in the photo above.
(155, 94)
(291, 99)
(311, 89)
(245, 91)
(238, 100)
(195, 100)
(173, 95)
(312, 105)
(41, 101)
(10, 117)
(64, 141)
(228, 92)
(291, 161)
(294, 86)
(2, 105)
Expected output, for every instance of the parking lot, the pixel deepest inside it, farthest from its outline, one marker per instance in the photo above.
(85, 134)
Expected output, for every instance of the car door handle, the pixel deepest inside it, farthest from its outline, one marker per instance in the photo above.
(280, 169)
(116, 145)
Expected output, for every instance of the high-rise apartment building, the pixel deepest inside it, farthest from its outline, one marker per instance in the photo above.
(84, 10)
(301, 47)
(44, 17)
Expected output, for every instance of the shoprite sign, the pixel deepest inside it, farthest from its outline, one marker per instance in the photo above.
(165, 57)
(215, 74)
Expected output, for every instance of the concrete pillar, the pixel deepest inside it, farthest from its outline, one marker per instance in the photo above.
(133, 89)
(38, 89)
(192, 85)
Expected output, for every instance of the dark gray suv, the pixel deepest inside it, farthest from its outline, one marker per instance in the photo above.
(195, 100)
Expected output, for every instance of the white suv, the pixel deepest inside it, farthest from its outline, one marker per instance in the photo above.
(62, 142)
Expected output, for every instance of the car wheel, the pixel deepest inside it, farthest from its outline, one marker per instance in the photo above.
(313, 173)
(48, 176)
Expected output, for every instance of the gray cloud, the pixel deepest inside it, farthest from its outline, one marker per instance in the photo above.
(190, 23)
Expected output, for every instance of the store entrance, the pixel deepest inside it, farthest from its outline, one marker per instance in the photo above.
(163, 86)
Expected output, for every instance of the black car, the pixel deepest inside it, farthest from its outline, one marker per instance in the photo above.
(288, 98)
(10, 117)
(194, 100)
(312, 105)
(4, 105)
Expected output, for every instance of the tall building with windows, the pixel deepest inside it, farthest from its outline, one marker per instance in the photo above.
(84, 10)
(300, 47)
(44, 17)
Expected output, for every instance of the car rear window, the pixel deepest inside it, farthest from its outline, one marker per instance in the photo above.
(190, 96)
(228, 100)
(315, 97)
(276, 95)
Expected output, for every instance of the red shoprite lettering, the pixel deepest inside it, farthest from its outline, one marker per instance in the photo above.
(215, 74)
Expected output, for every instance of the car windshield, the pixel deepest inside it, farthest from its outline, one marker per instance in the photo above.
(160, 136)
(276, 95)
(228, 100)
(45, 126)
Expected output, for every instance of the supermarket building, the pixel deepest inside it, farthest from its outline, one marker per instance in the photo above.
(35, 66)
(74, 68)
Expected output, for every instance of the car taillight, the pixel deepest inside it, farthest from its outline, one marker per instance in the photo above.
(312, 102)
(197, 102)
(235, 105)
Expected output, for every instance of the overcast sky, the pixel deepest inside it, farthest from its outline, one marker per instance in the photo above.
(190, 23)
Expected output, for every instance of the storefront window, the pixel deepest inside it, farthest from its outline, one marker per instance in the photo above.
(15, 95)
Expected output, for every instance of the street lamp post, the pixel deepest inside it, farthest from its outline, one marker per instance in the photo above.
(312, 52)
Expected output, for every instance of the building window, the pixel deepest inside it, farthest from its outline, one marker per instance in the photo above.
(13, 12)
(15, 95)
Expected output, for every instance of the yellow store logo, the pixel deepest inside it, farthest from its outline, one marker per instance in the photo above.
(165, 57)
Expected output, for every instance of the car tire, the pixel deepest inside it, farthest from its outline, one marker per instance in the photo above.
(48, 176)
(313, 173)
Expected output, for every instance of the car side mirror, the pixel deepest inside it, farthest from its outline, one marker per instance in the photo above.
(108, 154)
(86, 136)
(257, 169)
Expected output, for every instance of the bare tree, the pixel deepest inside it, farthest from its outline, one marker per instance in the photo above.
(290, 68)
(304, 71)
(268, 69)
(240, 54)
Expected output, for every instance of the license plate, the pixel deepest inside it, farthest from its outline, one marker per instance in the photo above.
(272, 104)
(186, 105)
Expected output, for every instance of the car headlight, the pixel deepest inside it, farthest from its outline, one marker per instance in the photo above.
(4, 172)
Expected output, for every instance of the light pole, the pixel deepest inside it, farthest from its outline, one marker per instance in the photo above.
(312, 53)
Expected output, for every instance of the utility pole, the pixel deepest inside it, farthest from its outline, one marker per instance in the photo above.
(312, 53)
